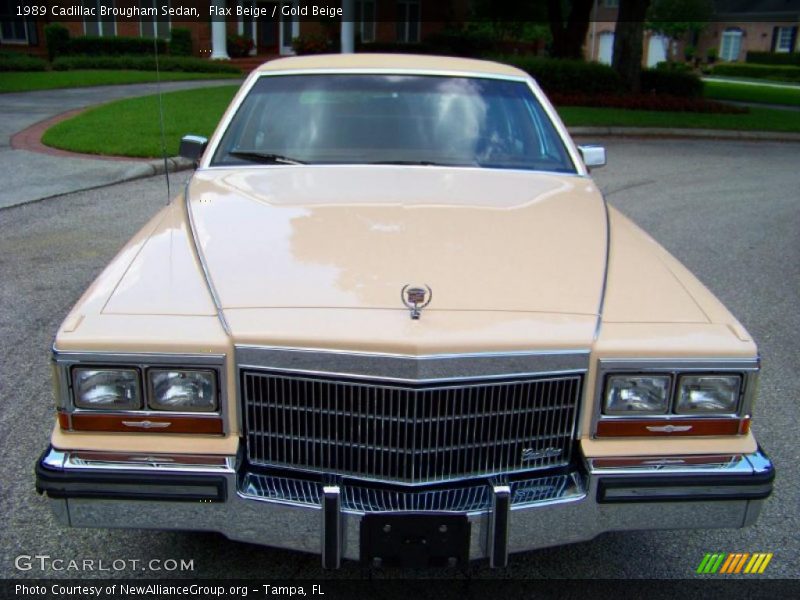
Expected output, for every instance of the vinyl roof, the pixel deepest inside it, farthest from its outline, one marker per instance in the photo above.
(411, 62)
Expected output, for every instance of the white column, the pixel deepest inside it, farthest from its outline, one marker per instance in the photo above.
(219, 42)
(348, 33)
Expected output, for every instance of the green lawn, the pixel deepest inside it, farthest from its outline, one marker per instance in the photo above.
(131, 127)
(15, 81)
(744, 92)
(758, 119)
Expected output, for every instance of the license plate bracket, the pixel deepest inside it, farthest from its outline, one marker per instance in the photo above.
(415, 540)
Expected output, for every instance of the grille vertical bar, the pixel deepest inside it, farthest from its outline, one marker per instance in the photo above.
(407, 433)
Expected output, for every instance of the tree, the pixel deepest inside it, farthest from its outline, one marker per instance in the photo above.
(627, 59)
(569, 35)
(675, 18)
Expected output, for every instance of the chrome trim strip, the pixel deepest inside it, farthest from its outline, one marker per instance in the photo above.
(601, 304)
(748, 367)
(411, 369)
(137, 358)
(201, 259)
(71, 460)
(678, 465)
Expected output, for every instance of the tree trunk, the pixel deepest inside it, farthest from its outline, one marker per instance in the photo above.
(568, 38)
(627, 60)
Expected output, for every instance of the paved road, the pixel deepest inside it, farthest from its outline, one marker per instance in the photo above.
(729, 210)
(32, 176)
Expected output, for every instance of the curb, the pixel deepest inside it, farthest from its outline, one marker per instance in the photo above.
(708, 134)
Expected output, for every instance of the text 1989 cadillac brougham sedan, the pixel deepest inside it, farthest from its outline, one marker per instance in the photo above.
(391, 318)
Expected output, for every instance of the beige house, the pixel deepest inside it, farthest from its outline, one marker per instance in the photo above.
(739, 27)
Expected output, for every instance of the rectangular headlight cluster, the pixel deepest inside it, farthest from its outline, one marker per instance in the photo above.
(655, 394)
(173, 390)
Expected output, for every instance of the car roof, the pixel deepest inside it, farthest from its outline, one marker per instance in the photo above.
(404, 62)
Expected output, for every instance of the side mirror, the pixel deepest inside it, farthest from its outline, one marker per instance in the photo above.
(192, 147)
(593, 156)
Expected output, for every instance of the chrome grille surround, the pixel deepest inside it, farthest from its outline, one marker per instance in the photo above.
(460, 417)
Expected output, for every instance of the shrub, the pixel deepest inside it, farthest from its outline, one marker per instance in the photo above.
(315, 43)
(113, 46)
(57, 39)
(144, 63)
(711, 55)
(672, 82)
(239, 45)
(773, 58)
(14, 61)
(567, 75)
(773, 72)
(674, 67)
(180, 42)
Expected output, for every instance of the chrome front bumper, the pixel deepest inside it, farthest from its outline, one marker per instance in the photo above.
(327, 517)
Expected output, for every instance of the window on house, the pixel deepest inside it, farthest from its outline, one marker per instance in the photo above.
(155, 26)
(408, 12)
(13, 30)
(97, 25)
(365, 20)
(731, 44)
(784, 39)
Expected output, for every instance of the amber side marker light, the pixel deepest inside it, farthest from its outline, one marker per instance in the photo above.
(141, 424)
(672, 427)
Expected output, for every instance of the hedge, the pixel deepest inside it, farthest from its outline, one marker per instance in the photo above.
(773, 72)
(567, 75)
(113, 46)
(143, 63)
(180, 42)
(774, 58)
(14, 61)
(671, 82)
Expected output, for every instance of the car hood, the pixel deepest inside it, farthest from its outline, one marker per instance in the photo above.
(351, 237)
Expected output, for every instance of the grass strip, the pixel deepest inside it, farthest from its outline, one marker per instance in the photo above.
(25, 81)
(718, 90)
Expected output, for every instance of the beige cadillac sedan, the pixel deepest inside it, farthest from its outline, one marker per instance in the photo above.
(392, 319)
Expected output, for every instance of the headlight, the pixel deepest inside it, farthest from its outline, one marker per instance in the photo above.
(183, 390)
(107, 388)
(708, 394)
(636, 394)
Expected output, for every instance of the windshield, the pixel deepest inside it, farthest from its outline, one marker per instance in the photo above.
(392, 119)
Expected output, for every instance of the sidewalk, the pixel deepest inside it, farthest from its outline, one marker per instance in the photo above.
(33, 176)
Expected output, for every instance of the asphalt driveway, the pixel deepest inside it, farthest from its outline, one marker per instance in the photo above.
(31, 176)
(729, 210)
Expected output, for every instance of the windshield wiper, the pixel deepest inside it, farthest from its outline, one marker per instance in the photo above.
(265, 157)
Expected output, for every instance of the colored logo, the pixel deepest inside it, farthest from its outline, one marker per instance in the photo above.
(732, 563)
(416, 298)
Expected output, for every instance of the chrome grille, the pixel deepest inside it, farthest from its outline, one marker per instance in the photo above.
(366, 499)
(409, 433)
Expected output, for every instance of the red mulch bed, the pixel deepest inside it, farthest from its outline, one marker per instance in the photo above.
(644, 102)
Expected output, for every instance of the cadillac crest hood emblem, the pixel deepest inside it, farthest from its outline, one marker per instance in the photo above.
(416, 298)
